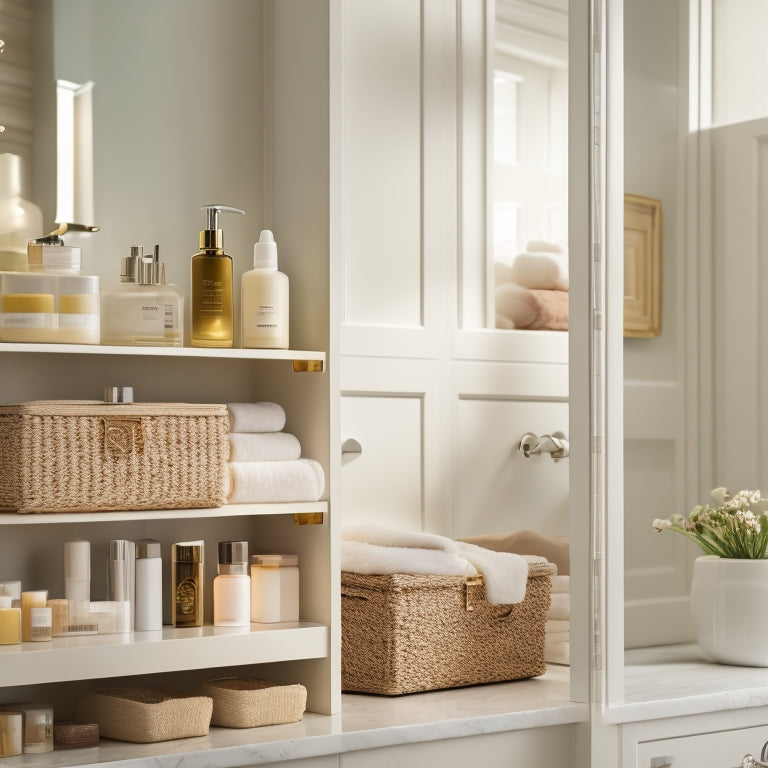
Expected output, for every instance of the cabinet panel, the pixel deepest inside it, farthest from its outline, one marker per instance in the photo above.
(723, 749)
(499, 489)
(383, 483)
(538, 746)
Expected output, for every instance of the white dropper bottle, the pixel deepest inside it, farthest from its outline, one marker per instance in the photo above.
(264, 299)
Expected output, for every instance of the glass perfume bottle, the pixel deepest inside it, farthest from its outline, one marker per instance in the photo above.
(142, 310)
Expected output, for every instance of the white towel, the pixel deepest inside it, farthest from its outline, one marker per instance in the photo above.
(541, 270)
(274, 481)
(263, 446)
(359, 557)
(560, 606)
(505, 574)
(561, 584)
(256, 417)
(557, 637)
(369, 533)
(557, 625)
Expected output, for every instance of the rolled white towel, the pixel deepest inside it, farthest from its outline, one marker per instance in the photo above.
(560, 606)
(274, 481)
(263, 446)
(541, 270)
(370, 533)
(256, 417)
(360, 557)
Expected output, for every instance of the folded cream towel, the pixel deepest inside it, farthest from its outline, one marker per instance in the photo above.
(557, 653)
(505, 575)
(541, 270)
(560, 606)
(359, 557)
(561, 584)
(557, 637)
(557, 625)
(274, 481)
(256, 417)
(370, 533)
(263, 446)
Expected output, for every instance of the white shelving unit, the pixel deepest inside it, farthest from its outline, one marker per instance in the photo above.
(31, 545)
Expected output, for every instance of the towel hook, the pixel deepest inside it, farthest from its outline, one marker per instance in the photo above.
(556, 445)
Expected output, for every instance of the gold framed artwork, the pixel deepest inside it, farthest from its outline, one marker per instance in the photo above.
(642, 266)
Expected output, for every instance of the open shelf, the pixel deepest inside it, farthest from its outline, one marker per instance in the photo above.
(86, 657)
(225, 352)
(228, 510)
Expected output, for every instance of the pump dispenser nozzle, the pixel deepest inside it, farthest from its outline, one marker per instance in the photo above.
(211, 238)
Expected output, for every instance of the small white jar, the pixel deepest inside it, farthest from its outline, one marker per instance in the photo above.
(232, 587)
(274, 588)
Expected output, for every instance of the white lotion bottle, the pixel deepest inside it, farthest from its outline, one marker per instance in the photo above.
(149, 587)
(232, 587)
(264, 299)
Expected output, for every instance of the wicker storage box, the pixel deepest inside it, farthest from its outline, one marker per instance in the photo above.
(82, 456)
(403, 634)
(145, 715)
(249, 703)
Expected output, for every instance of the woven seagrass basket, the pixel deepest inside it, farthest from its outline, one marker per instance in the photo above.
(146, 715)
(82, 456)
(405, 633)
(249, 703)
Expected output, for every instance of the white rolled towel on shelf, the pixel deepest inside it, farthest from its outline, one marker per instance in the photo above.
(256, 482)
(256, 417)
(560, 606)
(263, 446)
(541, 270)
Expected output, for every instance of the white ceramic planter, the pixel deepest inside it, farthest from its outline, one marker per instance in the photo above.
(729, 606)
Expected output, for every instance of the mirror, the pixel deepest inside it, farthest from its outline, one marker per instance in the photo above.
(175, 124)
(528, 165)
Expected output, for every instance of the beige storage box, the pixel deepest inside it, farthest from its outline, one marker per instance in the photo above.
(250, 703)
(402, 633)
(146, 715)
(84, 456)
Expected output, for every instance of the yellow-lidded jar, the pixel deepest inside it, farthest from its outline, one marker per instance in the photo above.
(79, 315)
(28, 307)
(10, 621)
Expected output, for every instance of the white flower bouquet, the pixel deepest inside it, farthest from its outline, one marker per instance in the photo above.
(736, 528)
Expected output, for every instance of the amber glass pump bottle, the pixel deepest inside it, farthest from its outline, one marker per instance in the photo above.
(212, 310)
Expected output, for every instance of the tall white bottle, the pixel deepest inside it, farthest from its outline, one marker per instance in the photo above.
(264, 299)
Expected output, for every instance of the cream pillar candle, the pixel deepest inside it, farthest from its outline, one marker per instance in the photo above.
(10, 621)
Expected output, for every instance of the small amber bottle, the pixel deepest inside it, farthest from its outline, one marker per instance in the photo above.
(212, 302)
(187, 572)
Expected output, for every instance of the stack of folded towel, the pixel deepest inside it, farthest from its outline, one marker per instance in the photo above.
(265, 463)
(532, 293)
(557, 632)
(374, 549)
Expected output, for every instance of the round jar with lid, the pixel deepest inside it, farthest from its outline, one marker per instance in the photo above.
(274, 588)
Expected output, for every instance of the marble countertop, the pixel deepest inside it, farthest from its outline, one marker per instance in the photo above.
(677, 680)
(366, 722)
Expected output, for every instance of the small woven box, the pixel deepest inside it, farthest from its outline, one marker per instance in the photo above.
(404, 633)
(146, 715)
(248, 703)
(84, 456)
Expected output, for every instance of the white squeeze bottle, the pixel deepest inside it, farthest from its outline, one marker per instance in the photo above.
(264, 299)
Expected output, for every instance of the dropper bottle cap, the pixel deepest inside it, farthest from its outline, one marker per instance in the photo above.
(212, 238)
(265, 251)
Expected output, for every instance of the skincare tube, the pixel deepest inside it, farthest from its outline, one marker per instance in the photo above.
(149, 586)
(121, 578)
(77, 570)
